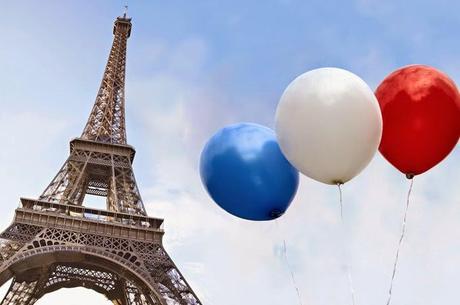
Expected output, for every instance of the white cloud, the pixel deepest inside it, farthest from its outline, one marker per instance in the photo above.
(220, 254)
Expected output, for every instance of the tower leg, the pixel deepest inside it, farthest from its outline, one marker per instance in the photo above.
(134, 296)
(20, 293)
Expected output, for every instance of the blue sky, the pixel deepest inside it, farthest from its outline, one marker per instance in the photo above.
(195, 66)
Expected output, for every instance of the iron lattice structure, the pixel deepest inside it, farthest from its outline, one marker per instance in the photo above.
(55, 241)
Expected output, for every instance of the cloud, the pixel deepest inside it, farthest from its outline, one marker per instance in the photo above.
(219, 253)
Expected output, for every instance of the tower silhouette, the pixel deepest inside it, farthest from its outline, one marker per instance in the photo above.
(55, 241)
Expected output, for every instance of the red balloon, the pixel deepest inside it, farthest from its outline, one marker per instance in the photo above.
(421, 118)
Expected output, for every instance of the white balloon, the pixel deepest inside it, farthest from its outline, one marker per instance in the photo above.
(329, 124)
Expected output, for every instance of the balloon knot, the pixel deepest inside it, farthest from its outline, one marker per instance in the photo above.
(276, 213)
(410, 176)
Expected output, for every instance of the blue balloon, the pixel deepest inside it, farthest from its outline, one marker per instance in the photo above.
(245, 172)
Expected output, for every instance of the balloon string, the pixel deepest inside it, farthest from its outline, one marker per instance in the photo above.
(348, 263)
(291, 270)
(401, 239)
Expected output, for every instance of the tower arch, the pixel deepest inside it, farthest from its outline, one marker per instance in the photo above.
(37, 273)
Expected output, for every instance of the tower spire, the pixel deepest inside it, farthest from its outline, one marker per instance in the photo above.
(106, 121)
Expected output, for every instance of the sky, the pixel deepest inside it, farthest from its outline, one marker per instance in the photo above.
(196, 66)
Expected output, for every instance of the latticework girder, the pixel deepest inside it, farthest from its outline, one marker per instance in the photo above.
(106, 122)
(57, 257)
(20, 293)
(56, 276)
(100, 173)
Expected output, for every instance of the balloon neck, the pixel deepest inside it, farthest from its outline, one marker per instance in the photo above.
(410, 176)
(275, 213)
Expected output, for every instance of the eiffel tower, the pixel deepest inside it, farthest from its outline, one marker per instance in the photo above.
(56, 242)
